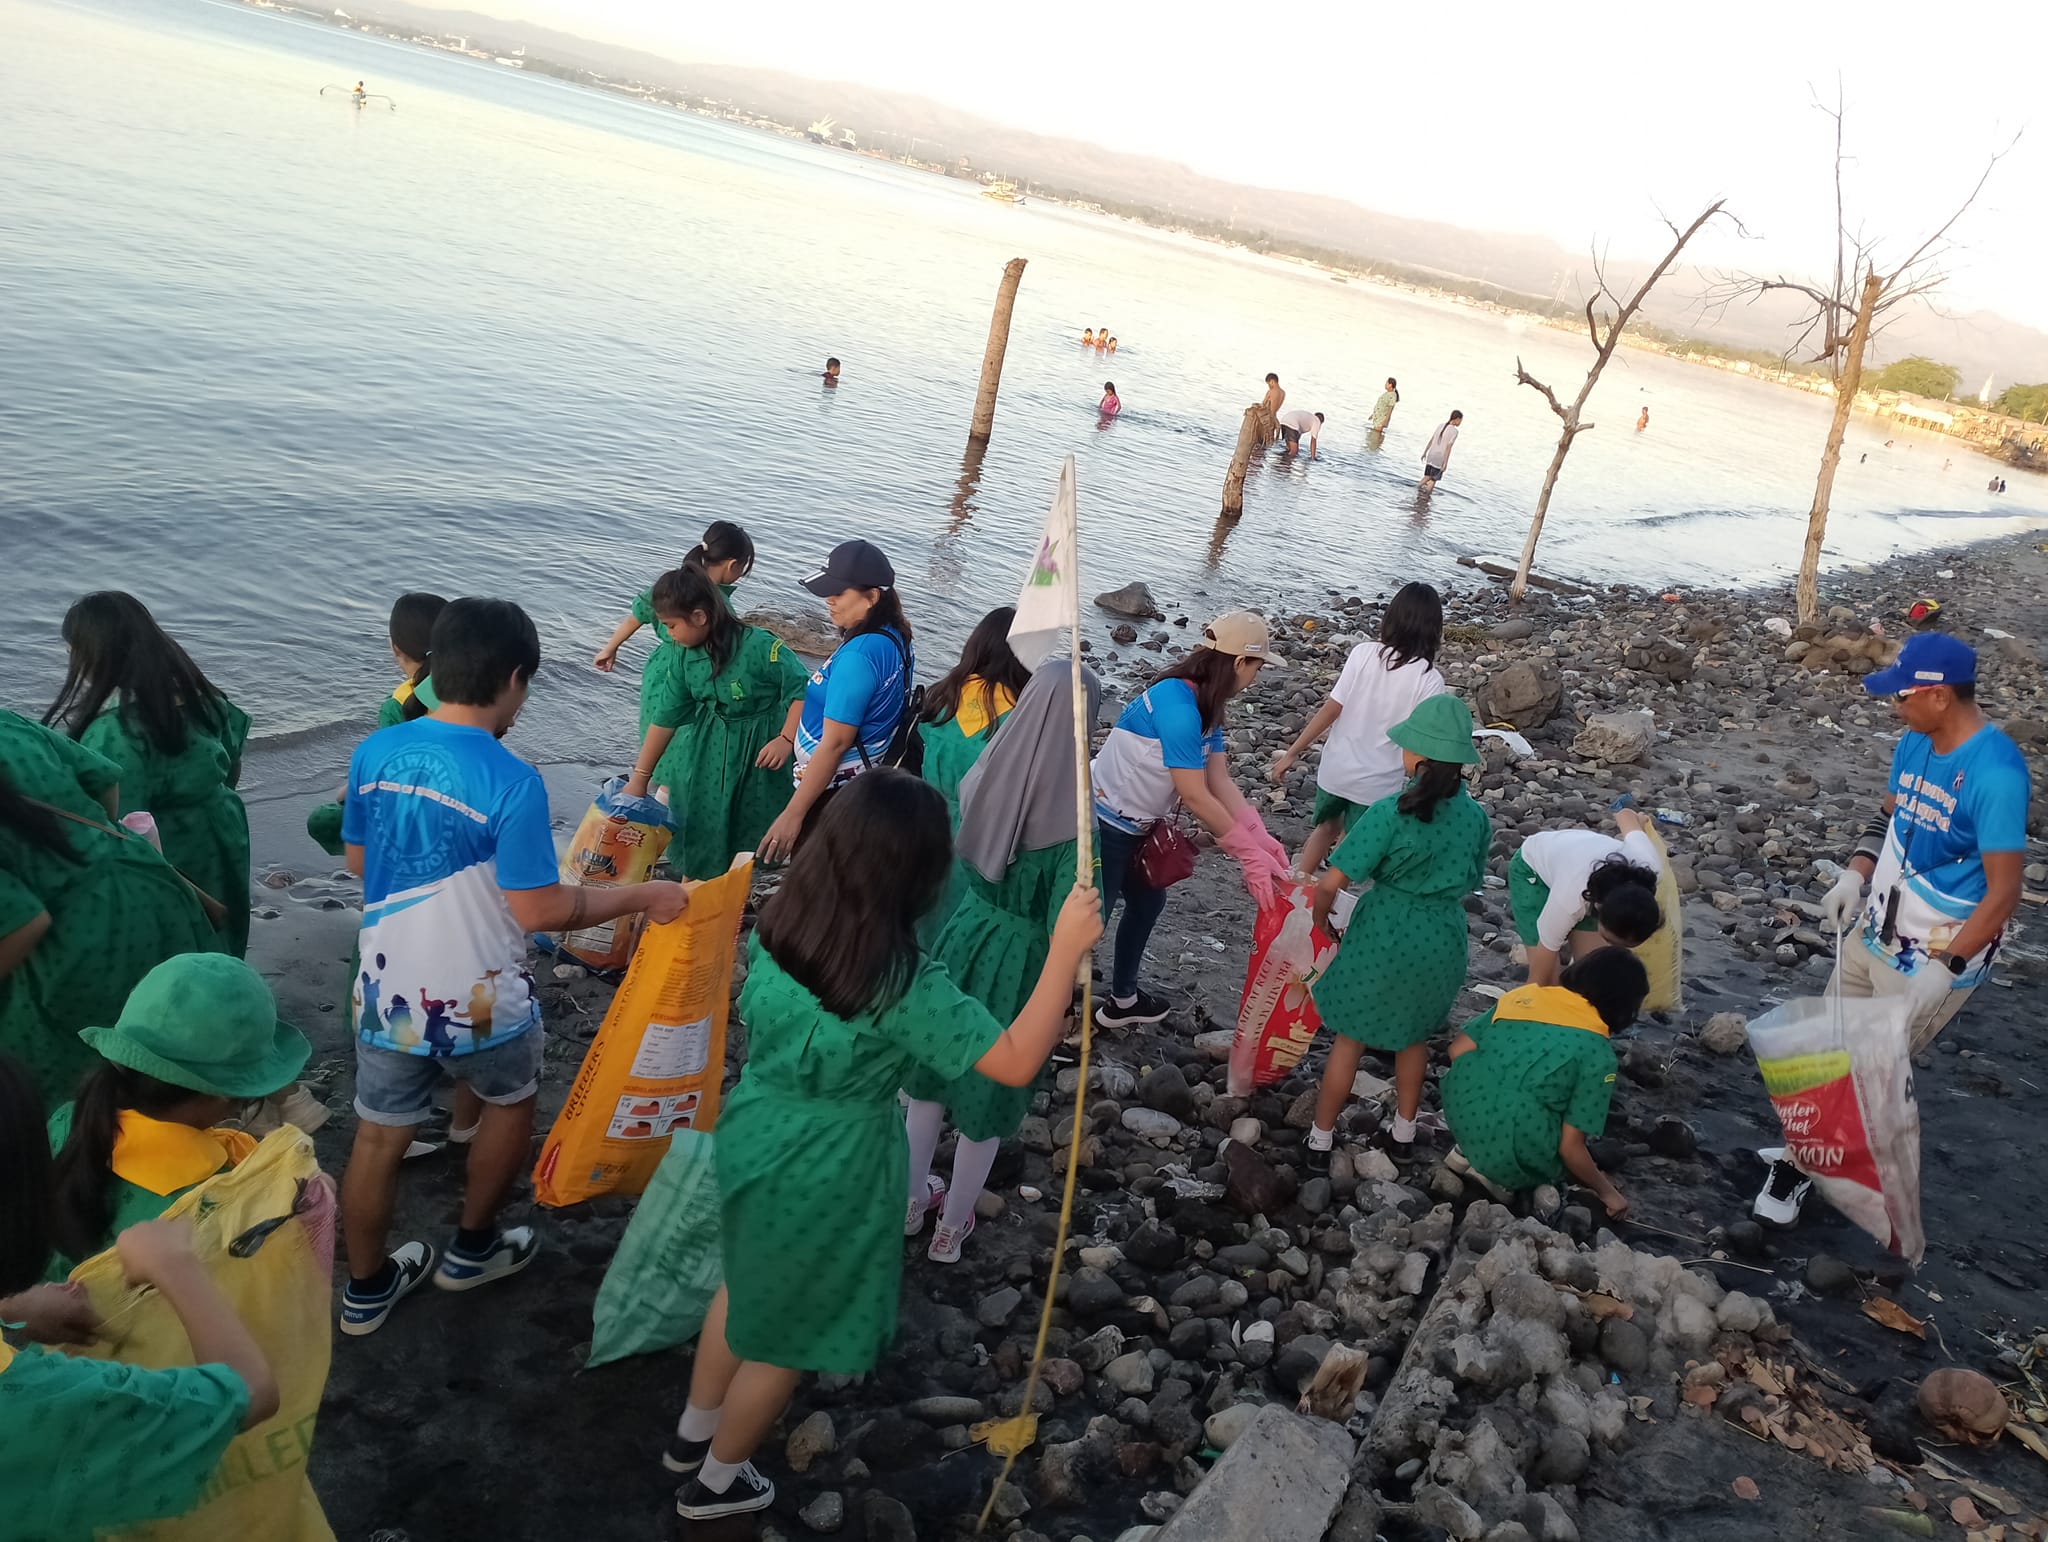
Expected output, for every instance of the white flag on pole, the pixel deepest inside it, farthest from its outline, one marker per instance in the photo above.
(1049, 605)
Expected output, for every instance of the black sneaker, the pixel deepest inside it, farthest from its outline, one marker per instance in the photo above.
(1784, 1191)
(1148, 1008)
(1316, 1158)
(750, 1491)
(684, 1457)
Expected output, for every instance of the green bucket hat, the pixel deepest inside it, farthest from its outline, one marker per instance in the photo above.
(1439, 729)
(208, 1022)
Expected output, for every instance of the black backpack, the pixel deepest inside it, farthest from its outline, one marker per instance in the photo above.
(905, 749)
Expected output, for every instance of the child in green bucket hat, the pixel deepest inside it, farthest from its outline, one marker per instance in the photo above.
(1403, 958)
(197, 1038)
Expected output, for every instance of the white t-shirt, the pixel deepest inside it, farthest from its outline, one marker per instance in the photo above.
(1301, 420)
(1359, 761)
(1564, 860)
(1438, 452)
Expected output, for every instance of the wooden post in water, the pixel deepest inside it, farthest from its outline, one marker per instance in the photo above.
(1252, 436)
(998, 344)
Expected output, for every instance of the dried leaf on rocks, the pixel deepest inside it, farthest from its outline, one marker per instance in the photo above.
(1894, 1316)
(1760, 1377)
(1334, 1390)
(1745, 1488)
(1007, 1437)
(1963, 1513)
(1704, 1397)
(1602, 1305)
(1640, 1407)
(2029, 1437)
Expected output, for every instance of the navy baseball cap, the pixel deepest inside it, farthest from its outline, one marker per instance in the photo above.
(852, 565)
(1929, 658)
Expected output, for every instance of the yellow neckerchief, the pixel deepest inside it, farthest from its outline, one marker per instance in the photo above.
(163, 1158)
(1549, 1004)
(402, 692)
(6, 1355)
(976, 696)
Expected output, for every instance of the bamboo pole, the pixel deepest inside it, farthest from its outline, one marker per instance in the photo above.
(1252, 436)
(992, 356)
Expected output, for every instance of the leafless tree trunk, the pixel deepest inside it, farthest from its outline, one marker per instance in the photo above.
(992, 357)
(1604, 345)
(1251, 438)
(1844, 317)
(1847, 384)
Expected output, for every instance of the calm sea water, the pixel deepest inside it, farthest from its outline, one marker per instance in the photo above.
(268, 361)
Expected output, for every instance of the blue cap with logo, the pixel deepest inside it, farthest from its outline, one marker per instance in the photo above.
(1929, 658)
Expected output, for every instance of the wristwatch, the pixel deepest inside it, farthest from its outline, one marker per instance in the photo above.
(1956, 963)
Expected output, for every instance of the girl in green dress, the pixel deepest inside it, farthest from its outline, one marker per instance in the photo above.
(86, 907)
(1016, 852)
(726, 554)
(721, 725)
(839, 1005)
(135, 696)
(1402, 960)
(89, 1447)
(412, 631)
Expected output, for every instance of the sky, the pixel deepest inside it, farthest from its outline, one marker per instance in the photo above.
(1580, 124)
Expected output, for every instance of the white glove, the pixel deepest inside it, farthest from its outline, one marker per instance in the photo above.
(1844, 902)
(1928, 986)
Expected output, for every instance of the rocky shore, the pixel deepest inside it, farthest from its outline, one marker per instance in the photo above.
(1465, 1370)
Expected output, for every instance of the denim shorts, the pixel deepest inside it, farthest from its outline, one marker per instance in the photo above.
(395, 1088)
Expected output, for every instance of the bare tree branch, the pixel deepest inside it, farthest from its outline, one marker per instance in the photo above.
(1523, 377)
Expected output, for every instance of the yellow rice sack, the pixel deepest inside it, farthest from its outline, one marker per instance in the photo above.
(1663, 954)
(658, 1063)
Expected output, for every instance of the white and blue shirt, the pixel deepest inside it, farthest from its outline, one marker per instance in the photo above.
(864, 683)
(1950, 810)
(1158, 734)
(448, 818)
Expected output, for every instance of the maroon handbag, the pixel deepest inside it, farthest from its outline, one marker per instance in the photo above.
(1167, 855)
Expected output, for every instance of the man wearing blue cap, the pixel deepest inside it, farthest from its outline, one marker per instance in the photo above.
(1944, 859)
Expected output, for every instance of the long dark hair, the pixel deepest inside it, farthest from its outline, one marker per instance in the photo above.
(24, 1179)
(1622, 896)
(688, 589)
(1394, 388)
(412, 634)
(986, 657)
(1413, 627)
(1436, 783)
(844, 923)
(887, 612)
(32, 822)
(1212, 673)
(116, 645)
(82, 1187)
(723, 542)
(1613, 980)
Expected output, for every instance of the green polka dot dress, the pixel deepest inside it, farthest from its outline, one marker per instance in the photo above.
(1508, 1100)
(1404, 957)
(811, 1158)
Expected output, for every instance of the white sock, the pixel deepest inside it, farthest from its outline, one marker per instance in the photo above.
(922, 1122)
(717, 1476)
(1124, 1001)
(1404, 1130)
(1320, 1139)
(697, 1423)
(972, 1160)
(463, 1137)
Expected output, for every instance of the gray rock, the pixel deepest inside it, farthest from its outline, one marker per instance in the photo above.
(1673, 1137)
(1524, 1295)
(1726, 1033)
(810, 1440)
(1164, 1088)
(1827, 1275)
(1616, 738)
(1511, 631)
(1315, 1196)
(1437, 1506)
(1525, 695)
(1738, 1313)
(1548, 1520)
(1130, 1374)
(1123, 632)
(1281, 1480)
(887, 1519)
(1154, 1246)
(1070, 1471)
(945, 1410)
(1222, 1428)
(826, 1513)
(996, 1308)
(1134, 599)
(1300, 1360)
(1151, 1124)
(1566, 1455)
(1090, 1292)
(809, 633)
(1100, 1347)
(1624, 1346)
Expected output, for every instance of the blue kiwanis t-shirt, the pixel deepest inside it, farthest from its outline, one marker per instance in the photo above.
(862, 684)
(1951, 810)
(447, 818)
(1158, 734)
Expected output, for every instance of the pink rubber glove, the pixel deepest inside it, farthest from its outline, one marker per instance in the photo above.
(1260, 856)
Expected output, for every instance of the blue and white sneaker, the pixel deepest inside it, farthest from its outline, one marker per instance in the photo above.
(362, 1313)
(512, 1252)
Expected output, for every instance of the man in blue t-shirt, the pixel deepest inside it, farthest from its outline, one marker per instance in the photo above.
(449, 831)
(1943, 860)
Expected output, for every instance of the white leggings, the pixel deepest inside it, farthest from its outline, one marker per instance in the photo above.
(972, 1160)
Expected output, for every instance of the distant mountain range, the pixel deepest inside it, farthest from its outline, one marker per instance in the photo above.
(1978, 343)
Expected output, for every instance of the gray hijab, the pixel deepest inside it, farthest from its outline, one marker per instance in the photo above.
(1020, 795)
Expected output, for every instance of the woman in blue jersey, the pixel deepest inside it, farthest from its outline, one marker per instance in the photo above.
(1167, 749)
(854, 703)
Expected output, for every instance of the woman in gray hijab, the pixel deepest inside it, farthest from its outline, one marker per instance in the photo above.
(1016, 853)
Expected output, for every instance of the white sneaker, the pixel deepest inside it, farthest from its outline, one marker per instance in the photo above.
(945, 1248)
(1784, 1191)
(918, 1209)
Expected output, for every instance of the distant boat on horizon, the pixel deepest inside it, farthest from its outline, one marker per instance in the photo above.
(1002, 192)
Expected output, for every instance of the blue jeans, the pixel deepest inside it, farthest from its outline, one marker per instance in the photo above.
(1142, 904)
